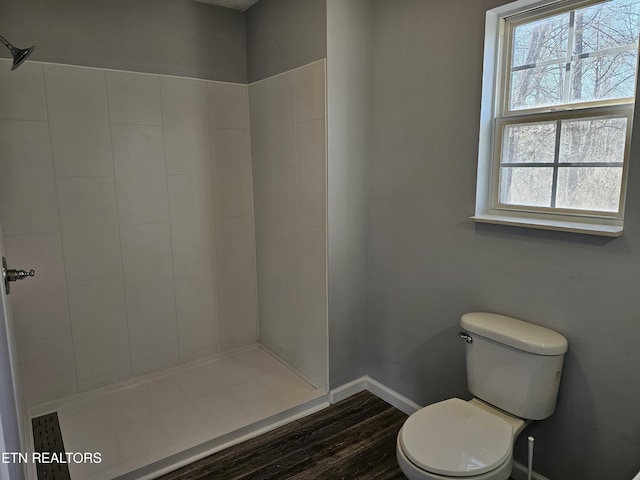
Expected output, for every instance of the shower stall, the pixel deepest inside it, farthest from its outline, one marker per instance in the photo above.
(177, 228)
(198, 231)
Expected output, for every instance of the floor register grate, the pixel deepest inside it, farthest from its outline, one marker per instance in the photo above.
(47, 438)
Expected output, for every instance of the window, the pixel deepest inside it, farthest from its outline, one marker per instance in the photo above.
(557, 115)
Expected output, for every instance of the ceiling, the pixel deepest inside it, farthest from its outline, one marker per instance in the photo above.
(235, 4)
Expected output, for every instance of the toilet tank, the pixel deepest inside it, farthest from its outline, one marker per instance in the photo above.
(512, 364)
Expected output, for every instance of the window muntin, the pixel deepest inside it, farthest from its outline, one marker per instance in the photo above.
(582, 55)
(564, 123)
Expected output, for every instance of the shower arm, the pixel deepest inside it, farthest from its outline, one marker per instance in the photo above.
(6, 43)
(19, 54)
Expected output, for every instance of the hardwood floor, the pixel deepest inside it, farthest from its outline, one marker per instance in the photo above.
(353, 439)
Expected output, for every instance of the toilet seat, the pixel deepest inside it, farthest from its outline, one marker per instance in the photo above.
(455, 438)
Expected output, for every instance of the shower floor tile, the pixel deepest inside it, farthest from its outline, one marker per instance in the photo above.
(146, 422)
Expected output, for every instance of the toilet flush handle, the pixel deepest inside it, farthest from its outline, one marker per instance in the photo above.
(465, 336)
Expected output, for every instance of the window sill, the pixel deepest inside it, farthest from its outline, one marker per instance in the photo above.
(547, 224)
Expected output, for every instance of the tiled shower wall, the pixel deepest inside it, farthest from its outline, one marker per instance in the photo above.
(288, 145)
(130, 195)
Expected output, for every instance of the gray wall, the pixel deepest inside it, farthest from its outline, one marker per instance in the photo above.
(285, 34)
(349, 68)
(428, 264)
(173, 37)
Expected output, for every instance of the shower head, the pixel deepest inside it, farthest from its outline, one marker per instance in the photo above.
(19, 54)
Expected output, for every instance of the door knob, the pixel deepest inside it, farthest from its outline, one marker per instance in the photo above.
(12, 275)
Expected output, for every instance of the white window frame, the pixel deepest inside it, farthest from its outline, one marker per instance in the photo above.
(493, 118)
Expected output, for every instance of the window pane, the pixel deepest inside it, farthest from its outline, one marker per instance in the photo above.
(604, 77)
(589, 188)
(593, 140)
(529, 143)
(537, 87)
(529, 186)
(541, 41)
(611, 24)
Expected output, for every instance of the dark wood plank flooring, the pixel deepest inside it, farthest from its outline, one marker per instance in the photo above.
(353, 439)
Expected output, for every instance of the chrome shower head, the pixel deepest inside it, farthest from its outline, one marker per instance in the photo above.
(19, 54)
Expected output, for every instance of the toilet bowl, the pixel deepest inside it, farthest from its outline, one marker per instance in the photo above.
(458, 439)
(513, 371)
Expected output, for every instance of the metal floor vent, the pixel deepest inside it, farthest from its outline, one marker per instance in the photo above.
(47, 437)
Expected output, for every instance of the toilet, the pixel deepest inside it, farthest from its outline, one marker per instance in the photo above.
(513, 372)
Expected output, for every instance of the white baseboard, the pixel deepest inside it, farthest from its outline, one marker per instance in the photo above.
(378, 389)
(405, 405)
(519, 472)
(392, 397)
(348, 390)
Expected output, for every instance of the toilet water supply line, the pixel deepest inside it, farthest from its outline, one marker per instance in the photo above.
(531, 440)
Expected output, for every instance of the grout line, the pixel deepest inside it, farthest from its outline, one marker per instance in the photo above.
(92, 279)
(171, 236)
(126, 124)
(115, 192)
(253, 216)
(141, 224)
(31, 234)
(61, 177)
(64, 262)
(218, 258)
(44, 339)
(23, 120)
(326, 220)
(242, 215)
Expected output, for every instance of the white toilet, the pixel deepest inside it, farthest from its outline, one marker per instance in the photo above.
(513, 371)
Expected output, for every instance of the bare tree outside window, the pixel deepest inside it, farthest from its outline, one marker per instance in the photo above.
(575, 60)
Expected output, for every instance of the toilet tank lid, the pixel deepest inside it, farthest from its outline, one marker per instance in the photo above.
(515, 333)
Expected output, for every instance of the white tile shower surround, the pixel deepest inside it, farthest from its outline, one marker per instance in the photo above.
(139, 224)
(142, 423)
(288, 153)
(146, 256)
(136, 172)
